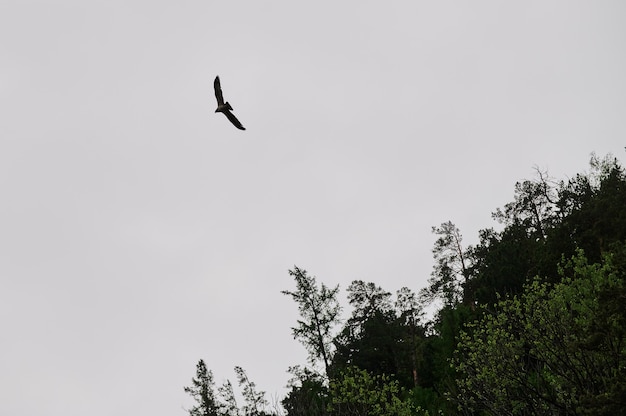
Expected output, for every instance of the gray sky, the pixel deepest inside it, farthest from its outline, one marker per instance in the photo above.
(140, 232)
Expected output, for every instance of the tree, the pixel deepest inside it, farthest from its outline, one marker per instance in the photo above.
(356, 392)
(308, 395)
(533, 206)
(319, 310)
(255, 400)
(546, 221)
(373, 338)
(594, 204)
(381, 337)
(556, 349)
(452, 269)
(503, 262)
(375, 346)
(367, 299)
(228, 405)
(202, 391)
(368, 302)
(411, 313)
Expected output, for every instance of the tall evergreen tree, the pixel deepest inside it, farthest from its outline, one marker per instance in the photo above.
(452, 266)
(202, 391)
(411, 312)
(319, 313)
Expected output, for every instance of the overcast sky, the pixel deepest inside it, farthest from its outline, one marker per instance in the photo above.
(140, 231)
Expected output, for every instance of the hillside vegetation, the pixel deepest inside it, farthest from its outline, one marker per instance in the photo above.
(532, 320)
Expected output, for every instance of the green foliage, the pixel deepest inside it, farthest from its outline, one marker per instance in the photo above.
(556, 349)
(427, 401)
(356, 392)
(439, 350)
(505, 342)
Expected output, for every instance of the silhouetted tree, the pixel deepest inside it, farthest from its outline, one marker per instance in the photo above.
(202, 391)
(255, 400)
(319, 312)
(452, 266)
(379, 338)
(308, 394)
(411, 313)
(520, 344)
(228, 405)
(534, 205)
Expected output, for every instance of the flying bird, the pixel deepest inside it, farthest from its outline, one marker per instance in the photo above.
(224, 107)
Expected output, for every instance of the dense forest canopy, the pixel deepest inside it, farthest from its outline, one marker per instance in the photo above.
(532, 322)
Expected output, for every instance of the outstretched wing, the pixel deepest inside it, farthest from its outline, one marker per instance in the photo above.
(218, 91)
(234, 120)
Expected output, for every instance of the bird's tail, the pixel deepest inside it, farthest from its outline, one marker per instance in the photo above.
(228, 105)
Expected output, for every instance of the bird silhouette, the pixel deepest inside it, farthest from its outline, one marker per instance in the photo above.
(225, 107)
